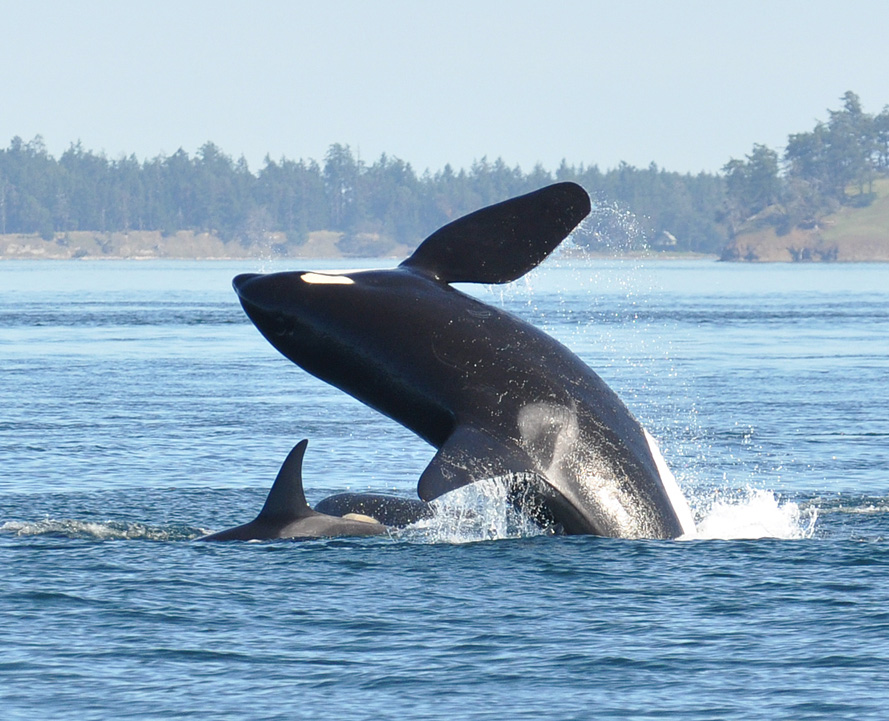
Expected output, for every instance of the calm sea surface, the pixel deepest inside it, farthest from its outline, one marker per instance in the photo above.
(139, 409)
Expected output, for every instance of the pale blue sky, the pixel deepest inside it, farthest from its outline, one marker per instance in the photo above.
(686, 84)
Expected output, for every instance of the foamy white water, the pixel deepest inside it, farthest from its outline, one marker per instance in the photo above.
(755, 513)
(480, 511)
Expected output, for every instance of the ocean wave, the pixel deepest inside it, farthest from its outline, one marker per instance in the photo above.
(100, 530)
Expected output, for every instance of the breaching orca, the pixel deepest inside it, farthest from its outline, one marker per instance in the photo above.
(287, 515)
(496, 396)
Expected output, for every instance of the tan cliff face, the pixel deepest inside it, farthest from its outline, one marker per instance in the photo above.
(806, 246)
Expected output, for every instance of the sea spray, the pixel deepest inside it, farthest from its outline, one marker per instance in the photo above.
(480, 511)
(755, 513)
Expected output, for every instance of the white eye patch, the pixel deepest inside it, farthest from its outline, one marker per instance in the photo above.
(321, 279)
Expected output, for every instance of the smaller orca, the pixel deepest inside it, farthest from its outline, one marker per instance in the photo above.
(395, 511)
(287, 515)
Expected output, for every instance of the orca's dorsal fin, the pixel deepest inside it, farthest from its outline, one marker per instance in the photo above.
(286, 499)
(502, 242)
(470, 455)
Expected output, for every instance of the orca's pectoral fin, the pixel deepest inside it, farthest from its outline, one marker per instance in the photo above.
(286, 499)
(469, 455)
(502, 242)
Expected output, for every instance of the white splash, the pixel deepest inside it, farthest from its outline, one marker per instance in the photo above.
(755, 513)
(480, 511)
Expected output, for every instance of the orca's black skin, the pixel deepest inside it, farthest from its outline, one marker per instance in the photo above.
(495, 395)
(394, 511)
(287, 515)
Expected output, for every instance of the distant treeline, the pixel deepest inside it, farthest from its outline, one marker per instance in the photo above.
(375, 205)
(385, 203)
(833, 165)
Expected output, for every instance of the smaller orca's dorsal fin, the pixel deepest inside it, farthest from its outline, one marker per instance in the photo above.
(502, 242)
(287, 500)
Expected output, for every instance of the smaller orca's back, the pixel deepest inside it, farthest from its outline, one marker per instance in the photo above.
(390, 510)
(286, 514)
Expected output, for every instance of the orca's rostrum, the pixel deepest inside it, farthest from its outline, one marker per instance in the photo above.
(496, 396)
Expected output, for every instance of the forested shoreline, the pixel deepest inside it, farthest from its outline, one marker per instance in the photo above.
(375, 207)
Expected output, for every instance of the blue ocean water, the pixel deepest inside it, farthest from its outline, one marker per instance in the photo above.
(140, 409)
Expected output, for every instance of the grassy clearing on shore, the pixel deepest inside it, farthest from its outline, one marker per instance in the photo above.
(868, 223)
(852, 234)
